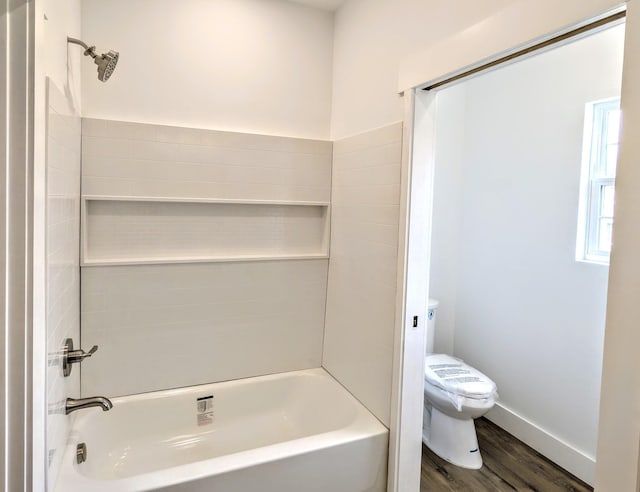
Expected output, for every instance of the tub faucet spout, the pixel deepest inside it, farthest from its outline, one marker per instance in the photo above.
(74, 404)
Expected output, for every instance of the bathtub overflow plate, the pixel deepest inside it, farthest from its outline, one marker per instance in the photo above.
(81, 453)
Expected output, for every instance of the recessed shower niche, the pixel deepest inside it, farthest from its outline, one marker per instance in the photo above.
(126, 230)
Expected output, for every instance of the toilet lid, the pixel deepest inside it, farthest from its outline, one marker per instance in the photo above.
(454, 376)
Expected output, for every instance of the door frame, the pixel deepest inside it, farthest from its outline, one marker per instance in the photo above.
(16, 241)
(487, 41)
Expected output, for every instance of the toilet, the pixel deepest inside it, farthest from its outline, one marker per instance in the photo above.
(454, 395)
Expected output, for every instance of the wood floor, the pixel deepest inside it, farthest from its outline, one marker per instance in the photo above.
(509, 465)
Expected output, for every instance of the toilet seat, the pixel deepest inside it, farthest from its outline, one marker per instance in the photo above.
(457, 378)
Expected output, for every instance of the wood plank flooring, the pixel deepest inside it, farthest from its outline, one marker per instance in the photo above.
(509, 465)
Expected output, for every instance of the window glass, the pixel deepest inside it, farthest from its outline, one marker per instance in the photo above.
(607, 201)
(611, 160)
(604, 234)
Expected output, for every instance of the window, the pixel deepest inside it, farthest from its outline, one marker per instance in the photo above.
(600, 156)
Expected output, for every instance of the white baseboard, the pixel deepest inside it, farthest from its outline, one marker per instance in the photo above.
(571, 459)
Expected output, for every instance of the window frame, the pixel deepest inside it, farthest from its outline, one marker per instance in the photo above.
(593, 180)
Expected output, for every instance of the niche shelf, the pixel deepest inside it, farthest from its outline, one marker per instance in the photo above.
(118, 230)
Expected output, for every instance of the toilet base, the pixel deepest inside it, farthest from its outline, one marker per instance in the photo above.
(454, 440)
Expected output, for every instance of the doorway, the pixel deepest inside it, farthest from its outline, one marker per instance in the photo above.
(516, 191)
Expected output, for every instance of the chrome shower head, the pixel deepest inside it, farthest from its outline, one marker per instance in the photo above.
(106, 62)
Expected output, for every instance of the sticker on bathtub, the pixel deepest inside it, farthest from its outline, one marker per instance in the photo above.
(204, 410)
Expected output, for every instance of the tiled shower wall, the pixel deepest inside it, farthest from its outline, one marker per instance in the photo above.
(358, 344)
(166, 326)
(141, 160)
(63, 268)
(179, 323)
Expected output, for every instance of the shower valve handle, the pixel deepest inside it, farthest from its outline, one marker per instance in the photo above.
(70, 356)
(80, 355)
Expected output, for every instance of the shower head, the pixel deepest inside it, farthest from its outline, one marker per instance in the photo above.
(106, 62)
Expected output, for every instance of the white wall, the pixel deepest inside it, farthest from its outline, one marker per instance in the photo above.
(447, 212)
(258, 66)
(514, 301)
(371, 38)
(62, 61)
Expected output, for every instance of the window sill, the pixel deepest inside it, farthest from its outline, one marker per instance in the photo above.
(592, 261)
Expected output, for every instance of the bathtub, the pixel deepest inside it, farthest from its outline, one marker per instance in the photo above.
(293, 432)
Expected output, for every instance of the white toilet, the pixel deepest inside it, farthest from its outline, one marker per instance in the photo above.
(454, 395)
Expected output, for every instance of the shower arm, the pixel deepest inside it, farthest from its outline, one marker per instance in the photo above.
(89, 50)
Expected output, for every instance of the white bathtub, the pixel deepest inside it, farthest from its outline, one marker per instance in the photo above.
(292, 432)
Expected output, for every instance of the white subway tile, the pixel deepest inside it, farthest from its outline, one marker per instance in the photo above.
(62, 263)
(367, 140)
(360, 315)
(201, 322)
(205, 312)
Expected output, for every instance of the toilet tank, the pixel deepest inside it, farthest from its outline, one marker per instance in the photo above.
(432, 308)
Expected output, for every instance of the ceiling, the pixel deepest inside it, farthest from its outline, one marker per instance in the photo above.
(322, 4)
